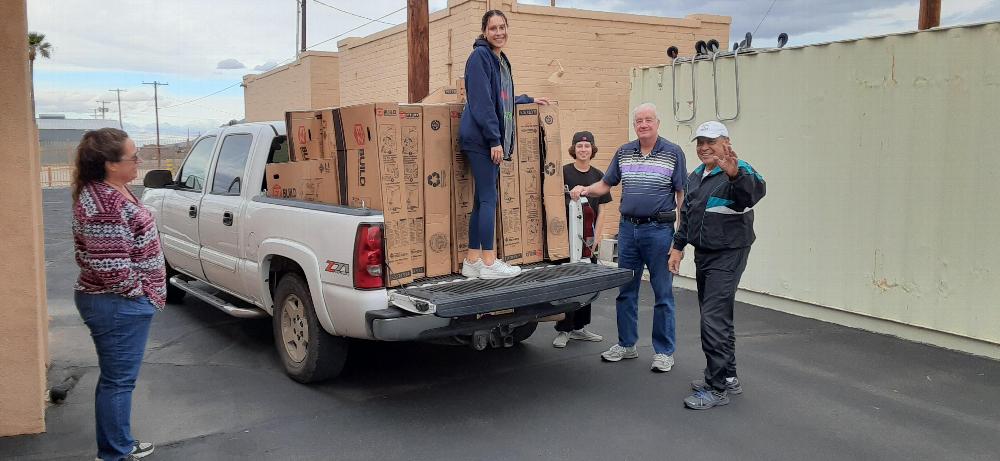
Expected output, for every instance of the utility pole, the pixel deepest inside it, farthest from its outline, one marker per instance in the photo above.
(104, 109)
(418, 45)
(930, 14)
(119, 91)
(156, 106)
(302, 44)
(298, 24)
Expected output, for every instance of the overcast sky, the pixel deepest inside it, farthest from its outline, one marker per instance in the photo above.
(201, 47)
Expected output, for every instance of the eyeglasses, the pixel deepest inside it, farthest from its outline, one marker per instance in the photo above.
(133, 158)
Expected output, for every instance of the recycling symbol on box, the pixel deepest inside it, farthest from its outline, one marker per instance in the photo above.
(550, 169)
(434, 180)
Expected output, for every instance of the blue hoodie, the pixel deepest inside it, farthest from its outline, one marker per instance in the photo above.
(482, 123)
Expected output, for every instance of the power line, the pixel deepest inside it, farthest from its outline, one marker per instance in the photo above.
(203, 97)
(290, 59)
(352, 14)
(765, 17)
(356, 28)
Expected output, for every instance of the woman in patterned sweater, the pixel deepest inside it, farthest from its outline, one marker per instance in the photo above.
(122, 279)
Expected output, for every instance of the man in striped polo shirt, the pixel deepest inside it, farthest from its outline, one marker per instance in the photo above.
(652, 172)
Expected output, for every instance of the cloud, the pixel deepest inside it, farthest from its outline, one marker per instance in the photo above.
(806, 21)
(266, 66)
(230, 64)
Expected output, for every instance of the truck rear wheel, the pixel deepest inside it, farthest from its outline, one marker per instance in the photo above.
(524, 332)
(307, 351)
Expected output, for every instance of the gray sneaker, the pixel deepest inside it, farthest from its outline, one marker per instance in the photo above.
(498, 270)
(662, 363)
(705, 399)
(561, 339)
(584, 335)
(617, 352)
(141, 449)
(471, 269)
(733, 386)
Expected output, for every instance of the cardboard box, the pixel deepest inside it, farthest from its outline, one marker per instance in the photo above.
(310, 180)
(305, 139)
(411, 129)
(553, 186)
(556, 228)
(530, 182)
(437, 150)
(374, 159)
(509, 210)
(444, 95)
(328, 134)
(461, 193)
(552, 150)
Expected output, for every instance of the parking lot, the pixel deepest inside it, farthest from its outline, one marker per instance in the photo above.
(212, 388)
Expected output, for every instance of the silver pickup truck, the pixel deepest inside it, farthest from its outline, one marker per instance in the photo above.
(318, 270)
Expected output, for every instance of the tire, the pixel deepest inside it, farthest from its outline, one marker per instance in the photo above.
(174, 295)
(524, 332)
(307, 351)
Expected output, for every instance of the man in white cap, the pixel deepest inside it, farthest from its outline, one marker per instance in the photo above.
(717, 220)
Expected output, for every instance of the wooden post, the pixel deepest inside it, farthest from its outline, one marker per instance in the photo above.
(930, 14)
(418, 44)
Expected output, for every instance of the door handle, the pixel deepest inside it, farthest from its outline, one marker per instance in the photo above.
(227, 218)
(193, 211)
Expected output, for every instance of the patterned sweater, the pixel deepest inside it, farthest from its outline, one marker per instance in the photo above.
(117, 246)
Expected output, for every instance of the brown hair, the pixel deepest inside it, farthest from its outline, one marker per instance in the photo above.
(95, 149)
(486, 20)
(593, 151)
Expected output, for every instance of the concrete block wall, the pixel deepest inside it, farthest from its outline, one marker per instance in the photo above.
(596, 50)
(312, 81)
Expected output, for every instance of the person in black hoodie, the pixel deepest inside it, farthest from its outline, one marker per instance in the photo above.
(486, 137)
(717, 220)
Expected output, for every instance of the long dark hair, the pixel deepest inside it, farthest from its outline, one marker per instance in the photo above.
(95, 148)
(486, 20)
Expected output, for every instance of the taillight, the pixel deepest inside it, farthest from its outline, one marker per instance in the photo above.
(368, 257)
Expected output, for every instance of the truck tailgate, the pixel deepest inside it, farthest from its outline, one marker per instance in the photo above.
(464, 297)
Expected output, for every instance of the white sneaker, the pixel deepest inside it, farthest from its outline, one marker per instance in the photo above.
(561, 339)
(662, 363)
(471, 269)
(618, 352)
(498, 270)
(584, 335)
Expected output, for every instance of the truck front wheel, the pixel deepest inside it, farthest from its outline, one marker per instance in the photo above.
(308, 352)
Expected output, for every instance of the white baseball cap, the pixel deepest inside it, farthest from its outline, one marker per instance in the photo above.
(711, 130)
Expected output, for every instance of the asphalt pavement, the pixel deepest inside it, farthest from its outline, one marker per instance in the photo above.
(212, 387)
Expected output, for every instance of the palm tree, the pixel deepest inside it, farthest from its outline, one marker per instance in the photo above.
(37, 46)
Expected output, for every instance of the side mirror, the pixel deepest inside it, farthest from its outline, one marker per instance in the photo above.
(158, 179)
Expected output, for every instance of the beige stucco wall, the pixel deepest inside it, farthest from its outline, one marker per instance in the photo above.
(24, 329)
(596, 49)
(311, 81)
(882, 207)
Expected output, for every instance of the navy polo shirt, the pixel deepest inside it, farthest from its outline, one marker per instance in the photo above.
(648, 182)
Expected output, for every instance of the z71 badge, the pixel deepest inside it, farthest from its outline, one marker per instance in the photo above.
(338, 268)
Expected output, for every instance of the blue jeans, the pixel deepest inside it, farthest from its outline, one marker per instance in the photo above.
(482, 223)
(646, 245)
(119, 327)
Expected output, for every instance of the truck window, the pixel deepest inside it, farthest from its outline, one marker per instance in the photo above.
(195, 169)
(231, 164)
(277, 154)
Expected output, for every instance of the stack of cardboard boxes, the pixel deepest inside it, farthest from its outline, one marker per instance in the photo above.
(405, 160)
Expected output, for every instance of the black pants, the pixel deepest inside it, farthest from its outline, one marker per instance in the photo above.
(718, 274)
(575, 320)
(579, 318)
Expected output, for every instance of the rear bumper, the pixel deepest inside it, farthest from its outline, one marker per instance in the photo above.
(395, 324)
